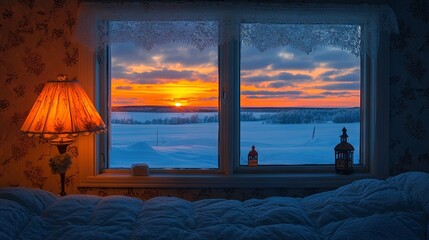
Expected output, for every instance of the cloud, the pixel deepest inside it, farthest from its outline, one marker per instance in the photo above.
(119, 71)
(329, 75)
(330, 93)
(312, 96)
(340, 94)
(257, 79)
(252, 58)
(296, 64)
(279, 84)
(294, 94)
(336, 58)
(341, 86)
(351, 77)
(341, 76)
(288, 58)
(125, 101)
(166, 75)
(285, 77)
(277, 59)
(127, 54)
(174, 53)
(286, 55)
(184, 99)
(276, 66)
(270, 94)
(124, 88)
(164, 57)
(250, 65)
(189, 56)
(208, 98)
(190, 99)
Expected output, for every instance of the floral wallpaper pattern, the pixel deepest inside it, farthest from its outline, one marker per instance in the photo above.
(409, 88)
(36, 45)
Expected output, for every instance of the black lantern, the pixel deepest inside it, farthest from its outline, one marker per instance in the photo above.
(344, 155)
(252, 158)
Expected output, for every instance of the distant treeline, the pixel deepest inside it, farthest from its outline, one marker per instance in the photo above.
(170, 121)
(288, 116)
(313, 115)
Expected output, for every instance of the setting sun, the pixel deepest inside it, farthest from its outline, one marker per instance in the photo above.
(178, 104)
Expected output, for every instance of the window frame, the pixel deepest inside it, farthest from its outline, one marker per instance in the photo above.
(104, 140)
(374, 139)
(363, 165)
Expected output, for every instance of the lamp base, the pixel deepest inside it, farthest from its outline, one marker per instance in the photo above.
(63, 178)
(64, 162)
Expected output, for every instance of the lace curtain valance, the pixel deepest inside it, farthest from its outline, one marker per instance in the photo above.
(303, 37)
(147, 34)
(264, 26)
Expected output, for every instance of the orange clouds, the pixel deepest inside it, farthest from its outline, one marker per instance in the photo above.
(188, 93)
(178, 75)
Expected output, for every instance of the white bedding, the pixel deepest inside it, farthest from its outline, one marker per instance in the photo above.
(397, 208)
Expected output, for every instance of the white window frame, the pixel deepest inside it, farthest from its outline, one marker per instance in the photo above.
(374, 128)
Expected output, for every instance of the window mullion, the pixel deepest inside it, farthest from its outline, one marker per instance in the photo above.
(229, 97)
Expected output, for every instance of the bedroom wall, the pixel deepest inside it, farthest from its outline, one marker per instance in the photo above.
(36, 45)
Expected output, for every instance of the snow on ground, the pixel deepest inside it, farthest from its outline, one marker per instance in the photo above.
(195, 145)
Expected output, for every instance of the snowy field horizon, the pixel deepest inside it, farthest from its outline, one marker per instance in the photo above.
(171, 137)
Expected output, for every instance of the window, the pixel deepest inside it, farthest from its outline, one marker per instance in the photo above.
(293, 103)
(164, 103)
(255, 85)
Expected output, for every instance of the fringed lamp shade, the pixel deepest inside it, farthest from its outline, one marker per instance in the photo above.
(61, 111)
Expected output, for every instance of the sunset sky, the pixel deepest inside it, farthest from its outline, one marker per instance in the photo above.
(181, 75)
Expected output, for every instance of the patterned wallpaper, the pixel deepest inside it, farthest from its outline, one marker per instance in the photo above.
(36, 45)
(409, 88)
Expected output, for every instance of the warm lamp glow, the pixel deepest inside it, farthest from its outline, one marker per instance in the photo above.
(62, 110)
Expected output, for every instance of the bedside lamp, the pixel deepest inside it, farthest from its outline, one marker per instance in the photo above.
(62, 111)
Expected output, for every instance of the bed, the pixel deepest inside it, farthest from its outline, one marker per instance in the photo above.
(395, 208)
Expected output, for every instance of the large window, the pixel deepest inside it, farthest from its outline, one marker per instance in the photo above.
(164, 106)
(192, 96)
(294, 103)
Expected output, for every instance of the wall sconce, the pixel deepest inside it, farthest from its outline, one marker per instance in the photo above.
(62, 111)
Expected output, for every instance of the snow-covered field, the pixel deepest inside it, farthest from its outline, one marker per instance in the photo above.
(196, 145)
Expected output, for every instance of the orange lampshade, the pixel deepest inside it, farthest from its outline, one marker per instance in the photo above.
(63, 110)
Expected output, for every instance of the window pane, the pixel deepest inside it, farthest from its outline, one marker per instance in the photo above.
(294, 105)
(164, 105)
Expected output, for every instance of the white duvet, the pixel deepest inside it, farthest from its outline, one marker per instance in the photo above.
(397, 208)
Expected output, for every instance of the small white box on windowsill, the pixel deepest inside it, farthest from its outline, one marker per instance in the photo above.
(140, 169)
